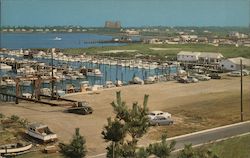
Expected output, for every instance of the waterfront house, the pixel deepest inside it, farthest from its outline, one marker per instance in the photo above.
(234, 63)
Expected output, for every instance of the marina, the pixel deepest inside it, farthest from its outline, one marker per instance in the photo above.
(74, 73)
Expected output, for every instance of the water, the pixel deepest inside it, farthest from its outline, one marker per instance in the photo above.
(47, 40)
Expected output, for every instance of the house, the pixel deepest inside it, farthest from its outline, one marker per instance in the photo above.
(210, 57)
(187, 56)
(199, 57)
(234, 63)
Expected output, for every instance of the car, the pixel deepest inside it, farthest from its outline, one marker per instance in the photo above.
(83, 109)
(214, 76)
(160, 120)
(192, 79)
(245, 72)
(202, 77)
(182, 80)
(153, 114)
(234, 74)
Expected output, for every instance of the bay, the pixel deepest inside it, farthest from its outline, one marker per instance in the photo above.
(53, 40)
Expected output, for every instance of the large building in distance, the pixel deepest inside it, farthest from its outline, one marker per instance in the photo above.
(113, 25)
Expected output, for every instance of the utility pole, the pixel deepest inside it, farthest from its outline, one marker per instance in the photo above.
(52, 82)
(1, 25)
(241, 92)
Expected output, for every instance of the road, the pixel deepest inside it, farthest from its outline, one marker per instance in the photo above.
(203, 137)
(211, 135)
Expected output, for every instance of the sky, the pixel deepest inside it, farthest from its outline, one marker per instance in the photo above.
(131, 13)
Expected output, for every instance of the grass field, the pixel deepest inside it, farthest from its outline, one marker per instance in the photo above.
(211, 111)
(238, 147)
(226, 50)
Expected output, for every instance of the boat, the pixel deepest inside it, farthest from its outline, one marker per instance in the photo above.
(41, 132)
(5, 67)
(2, 83)
(25, 83)
(10, 82)
(94, 72)
(57, 39)
(14, 149)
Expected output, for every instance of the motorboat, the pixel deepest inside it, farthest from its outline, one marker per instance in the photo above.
(57, 39)
(41, 132)
(94, 72)
(14, 149)
(5, 67)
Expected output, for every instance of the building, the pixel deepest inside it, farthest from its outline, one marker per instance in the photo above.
(200, 57)
(210, 57)
(186, 56)
(234, 63)
(113, 25)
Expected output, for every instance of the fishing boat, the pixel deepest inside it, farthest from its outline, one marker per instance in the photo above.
(41, 132)
(14, 149)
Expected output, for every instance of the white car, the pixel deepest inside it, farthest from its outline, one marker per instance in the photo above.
(234, 74)
(153, 114)
(202, 77)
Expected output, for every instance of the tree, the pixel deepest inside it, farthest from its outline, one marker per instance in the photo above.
(124, 131)
(76, 148)
(128, 123)
(189, 152)
(162, 149)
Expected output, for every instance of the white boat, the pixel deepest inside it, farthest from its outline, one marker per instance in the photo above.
(41, 132)
(57, 39)
(109, 84)
(5, 67)
(94, 72)
(10, 82)
(14, 148)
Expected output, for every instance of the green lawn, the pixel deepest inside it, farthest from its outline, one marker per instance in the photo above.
(238, 147)
(226, 50)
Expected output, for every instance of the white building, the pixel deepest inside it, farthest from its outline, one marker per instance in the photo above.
(234, 63)
(187, 56)
(210, 57)
(200, 57)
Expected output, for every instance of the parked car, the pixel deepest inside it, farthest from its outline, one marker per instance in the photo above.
(182, 80)
(83, 109)
(215, 76)
(202, 77)
(192, 79)
(245, 72)
(234, 74)
(160, 120)
(153, 114)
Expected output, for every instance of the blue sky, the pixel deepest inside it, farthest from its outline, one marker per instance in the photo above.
(129, 12)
